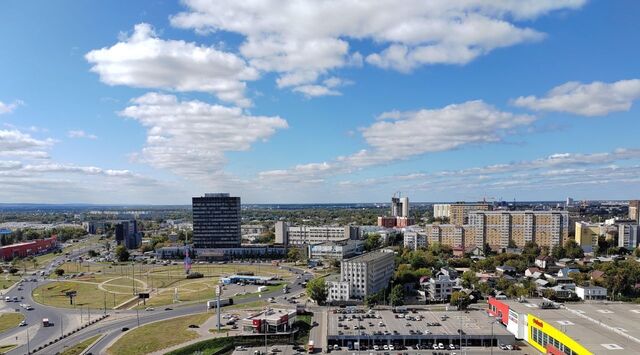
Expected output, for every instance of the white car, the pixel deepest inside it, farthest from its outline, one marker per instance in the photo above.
(376, 348)
(452, 347)
(391, 347)
(385, 347)
(23, 323)
(440, 346)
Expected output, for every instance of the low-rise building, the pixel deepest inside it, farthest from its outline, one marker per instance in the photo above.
(336, 250)
(591, 292)
(440, 288)
(34, 247)
(309, 235)
(270, 321)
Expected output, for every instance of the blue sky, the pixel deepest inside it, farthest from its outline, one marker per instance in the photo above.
(318, 101)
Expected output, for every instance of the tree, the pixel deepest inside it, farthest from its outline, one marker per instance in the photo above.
(59, 272)
(317, 290)
(92, 253)
(294, 255)
(469, 279)
(397, 295)
(122, 254)
(573, 249)
(460, 299)
(372, 242)
(558, 252)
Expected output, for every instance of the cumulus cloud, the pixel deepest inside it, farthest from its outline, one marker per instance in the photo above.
(190, 138)
(398, 135)
(304, 40)
(81, 134)
(14, 143)
(594, 99)
(146, 61)
(9, 107)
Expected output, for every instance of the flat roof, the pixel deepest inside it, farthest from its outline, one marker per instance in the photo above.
(601, 327)
(369, 256)
(475, 322)
(272, 315)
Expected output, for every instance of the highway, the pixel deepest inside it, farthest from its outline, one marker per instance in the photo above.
(110, 327)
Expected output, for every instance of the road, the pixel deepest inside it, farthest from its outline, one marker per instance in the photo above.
(110, 327)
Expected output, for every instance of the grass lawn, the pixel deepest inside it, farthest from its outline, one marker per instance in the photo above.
(7, 281)
(157, 336)
(6, 348)
(88, 294)
(79, 348)
(10, 320)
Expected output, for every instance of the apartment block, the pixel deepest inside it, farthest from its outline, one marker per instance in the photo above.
(498, 228)
(459, 212)
(441, 210)
(628, 235)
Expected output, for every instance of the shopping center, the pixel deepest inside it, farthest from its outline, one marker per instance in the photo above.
(581, 328)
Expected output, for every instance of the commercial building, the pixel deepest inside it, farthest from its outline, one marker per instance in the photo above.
(310, 235)
(270, 321)
(441, 210)
(582, 329)
(498, 228)
(588, 293)
(34, 247)
(459, 212)
(634, 210)
(365, 329)
(362, 276)
(335, 250)
(216, 221)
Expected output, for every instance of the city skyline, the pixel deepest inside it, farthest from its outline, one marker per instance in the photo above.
(312, 102)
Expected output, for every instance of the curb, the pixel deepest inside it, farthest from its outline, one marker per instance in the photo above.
(42, 347)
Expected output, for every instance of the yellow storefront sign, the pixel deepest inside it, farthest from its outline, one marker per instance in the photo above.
(542, 333)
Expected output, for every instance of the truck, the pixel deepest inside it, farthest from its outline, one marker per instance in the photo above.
(310, 347)
(262, 288)
(285, 289)
(223, 302)
(46, 323)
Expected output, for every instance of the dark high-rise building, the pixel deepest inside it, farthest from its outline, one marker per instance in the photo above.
(127, 234)
(216, 221)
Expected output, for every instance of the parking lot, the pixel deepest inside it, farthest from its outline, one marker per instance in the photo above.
(418, 329)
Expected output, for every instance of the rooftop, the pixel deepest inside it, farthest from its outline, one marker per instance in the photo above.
(370, 256)
(599, 327)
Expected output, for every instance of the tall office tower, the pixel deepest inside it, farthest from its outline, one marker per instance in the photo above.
(216, 221)
(634, 210)
(405, 206)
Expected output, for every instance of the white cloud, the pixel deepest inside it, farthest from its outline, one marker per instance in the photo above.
(81, 134)
(594, 99)
(9, 107)
(316, 90)
(304, 40)
(146, 61)
(14, 143)
(190, 138)
(400, 135)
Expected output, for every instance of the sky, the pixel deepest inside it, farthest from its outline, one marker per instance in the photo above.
(320, 101)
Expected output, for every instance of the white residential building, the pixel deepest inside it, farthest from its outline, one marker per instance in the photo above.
(441, 210)
(414, 239)
(591, 292)
(362, 276)
(336, 250)
(628, 236)
(440, 288)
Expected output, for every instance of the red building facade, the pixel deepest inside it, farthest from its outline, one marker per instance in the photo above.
(33, 247)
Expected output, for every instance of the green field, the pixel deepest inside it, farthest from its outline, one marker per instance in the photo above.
(157, 336)
(79, 348)
(116, 282)
(10, 320)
